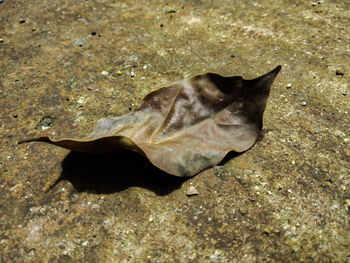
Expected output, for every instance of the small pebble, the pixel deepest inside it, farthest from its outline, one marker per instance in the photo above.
(104, 73)
(243, 210)
(93, 33)
(81, 100)
(289, 85)
(22, 20)
(192, 191)
(1, 40)
(345, 93)
(132, 73)
(347, 202)
(119, 73)
(297, 144)
(340, 72)
(303, 103)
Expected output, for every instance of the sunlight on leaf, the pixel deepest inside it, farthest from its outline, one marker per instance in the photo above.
(186, 127)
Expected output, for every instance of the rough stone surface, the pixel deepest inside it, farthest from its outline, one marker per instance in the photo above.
(65, 64)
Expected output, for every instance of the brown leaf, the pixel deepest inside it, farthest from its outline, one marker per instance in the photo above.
(186, 127)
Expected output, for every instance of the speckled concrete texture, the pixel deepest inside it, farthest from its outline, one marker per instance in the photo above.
(65, 64)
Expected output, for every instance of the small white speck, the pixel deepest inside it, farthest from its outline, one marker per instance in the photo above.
(145, 66)
(289, 85)
(132, 73)
(63, 189)
(150, 219)
(8, 157)
(85, 243)
(104, 73)
(303, 103)
(81, 100)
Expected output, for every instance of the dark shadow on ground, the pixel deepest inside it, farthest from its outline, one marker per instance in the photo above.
(234, 154)
(228, 157)
(110, 173)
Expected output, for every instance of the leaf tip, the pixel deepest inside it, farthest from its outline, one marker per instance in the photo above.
(273, 73)
(278, 68)
(36, 139)
(267, 79)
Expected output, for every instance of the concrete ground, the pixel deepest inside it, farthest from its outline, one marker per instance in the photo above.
(65, 64)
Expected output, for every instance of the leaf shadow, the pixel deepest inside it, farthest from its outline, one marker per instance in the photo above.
(229, 156)
(110, 173)
(232, 154)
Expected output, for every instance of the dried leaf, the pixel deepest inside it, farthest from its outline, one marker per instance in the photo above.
(186, 127)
